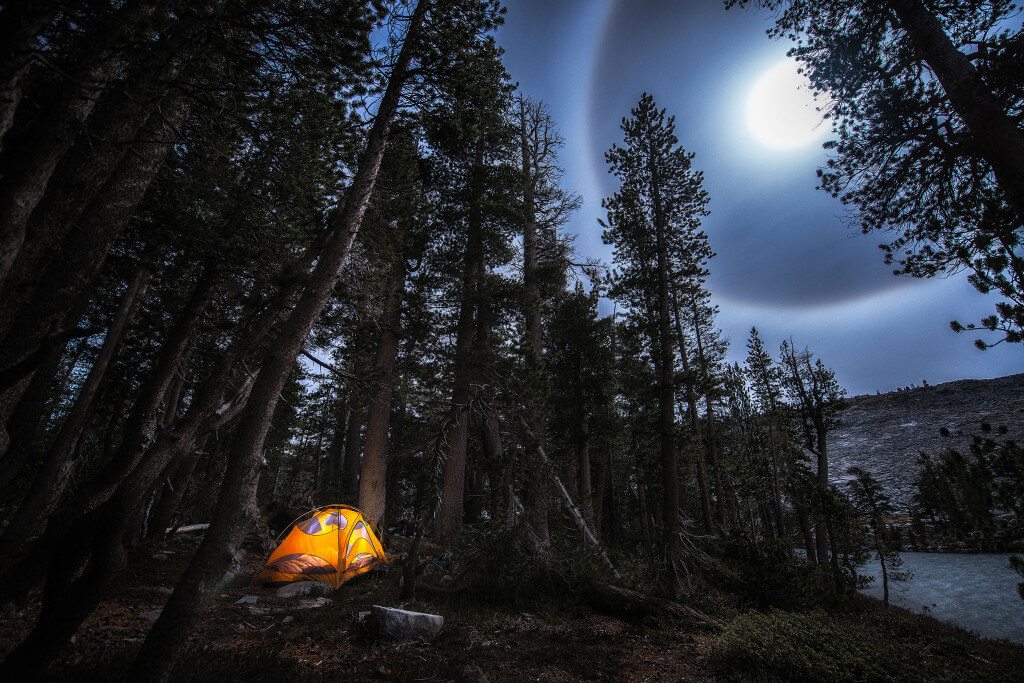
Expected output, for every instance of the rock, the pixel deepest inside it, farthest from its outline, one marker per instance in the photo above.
(389, 623)
(314, 603)
(288, 619)
(160, 556)
(300, 588)
(884, 433)
(247, 600)
(151, 615)
(360, 620)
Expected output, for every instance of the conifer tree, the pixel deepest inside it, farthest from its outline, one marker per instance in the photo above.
(659, 200)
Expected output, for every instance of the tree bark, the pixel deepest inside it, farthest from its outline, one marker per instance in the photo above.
(71, 273)
(51, 479)
(997, 137)
(353, 441)
(25, 182)
(536, 486)
(691, 404)
(669, 579)
(88, 165)
(21, 22)
(373, 472)
(235, 508)
(453, 479)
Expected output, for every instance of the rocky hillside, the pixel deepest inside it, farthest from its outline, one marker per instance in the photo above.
(884, 433)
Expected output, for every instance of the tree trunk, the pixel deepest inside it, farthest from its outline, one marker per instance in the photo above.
(373, 472)
(536, 486)
(996, 135)
(25, 182)
(71, 273)
(501, 471)
(88, 165)
(691, 404)
(821, 531)
(174, 489)
(141, 426)
(235, 508)
(21, 22)
(353, 440)
(711, 449)
(453, 482)
(30, 418)
(51, 479)
(669, 579)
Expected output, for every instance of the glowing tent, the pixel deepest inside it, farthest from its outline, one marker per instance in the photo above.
(331, 544)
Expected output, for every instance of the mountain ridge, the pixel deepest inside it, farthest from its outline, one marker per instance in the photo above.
(885, 433)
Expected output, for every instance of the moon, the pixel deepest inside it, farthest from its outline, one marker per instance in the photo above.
(781, 110)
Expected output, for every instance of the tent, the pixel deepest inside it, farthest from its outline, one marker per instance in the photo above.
(332, 544)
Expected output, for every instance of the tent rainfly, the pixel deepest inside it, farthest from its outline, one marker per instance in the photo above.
(332, 544)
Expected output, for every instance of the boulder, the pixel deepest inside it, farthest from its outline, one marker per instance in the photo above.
(160, 556)
(247, 600)
(301, 588)
(151, 615)
(389, 623)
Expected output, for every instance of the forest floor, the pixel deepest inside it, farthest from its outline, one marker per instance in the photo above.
(285, 639)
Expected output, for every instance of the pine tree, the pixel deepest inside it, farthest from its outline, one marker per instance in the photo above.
(658, 202)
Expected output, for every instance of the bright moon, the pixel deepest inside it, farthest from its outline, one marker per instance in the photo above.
(781, 109)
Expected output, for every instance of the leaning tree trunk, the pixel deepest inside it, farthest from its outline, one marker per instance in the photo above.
(21, 22)
(173, 491)
(373, 472)
(85, 169)
(235, 510)
(995, 134)
(25, 182)
(51, 478)
(96, 538)
(69, 277)
(144, 419)
(30, 417)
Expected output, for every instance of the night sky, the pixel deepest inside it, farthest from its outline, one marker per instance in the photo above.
(790, 258)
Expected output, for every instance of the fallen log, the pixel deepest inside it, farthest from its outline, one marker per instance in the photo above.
(577, 517)
(623, 602)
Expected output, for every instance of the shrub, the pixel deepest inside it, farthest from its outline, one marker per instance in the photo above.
(807, 646)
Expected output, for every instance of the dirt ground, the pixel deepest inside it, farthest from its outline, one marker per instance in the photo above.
(283, 639)
(310, 638)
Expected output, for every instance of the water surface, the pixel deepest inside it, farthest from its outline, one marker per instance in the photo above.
(978, 592)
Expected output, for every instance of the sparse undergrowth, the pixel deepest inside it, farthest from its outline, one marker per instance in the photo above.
(551, 637)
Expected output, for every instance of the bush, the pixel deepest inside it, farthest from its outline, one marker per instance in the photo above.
(807, 646)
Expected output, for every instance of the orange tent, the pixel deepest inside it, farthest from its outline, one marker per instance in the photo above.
(332, 544)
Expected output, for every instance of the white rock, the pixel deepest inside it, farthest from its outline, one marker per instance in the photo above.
(288, 619)
(160, 556)
(151, 615)
(314, 603)
(389, 623)
(247, 600)
(300, 588)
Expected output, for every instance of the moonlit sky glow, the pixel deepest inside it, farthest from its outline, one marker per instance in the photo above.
(790, 258)
(781, 109)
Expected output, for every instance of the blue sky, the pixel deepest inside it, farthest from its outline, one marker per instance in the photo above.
(790, 259)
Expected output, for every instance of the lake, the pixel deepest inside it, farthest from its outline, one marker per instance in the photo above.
(978, 592)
